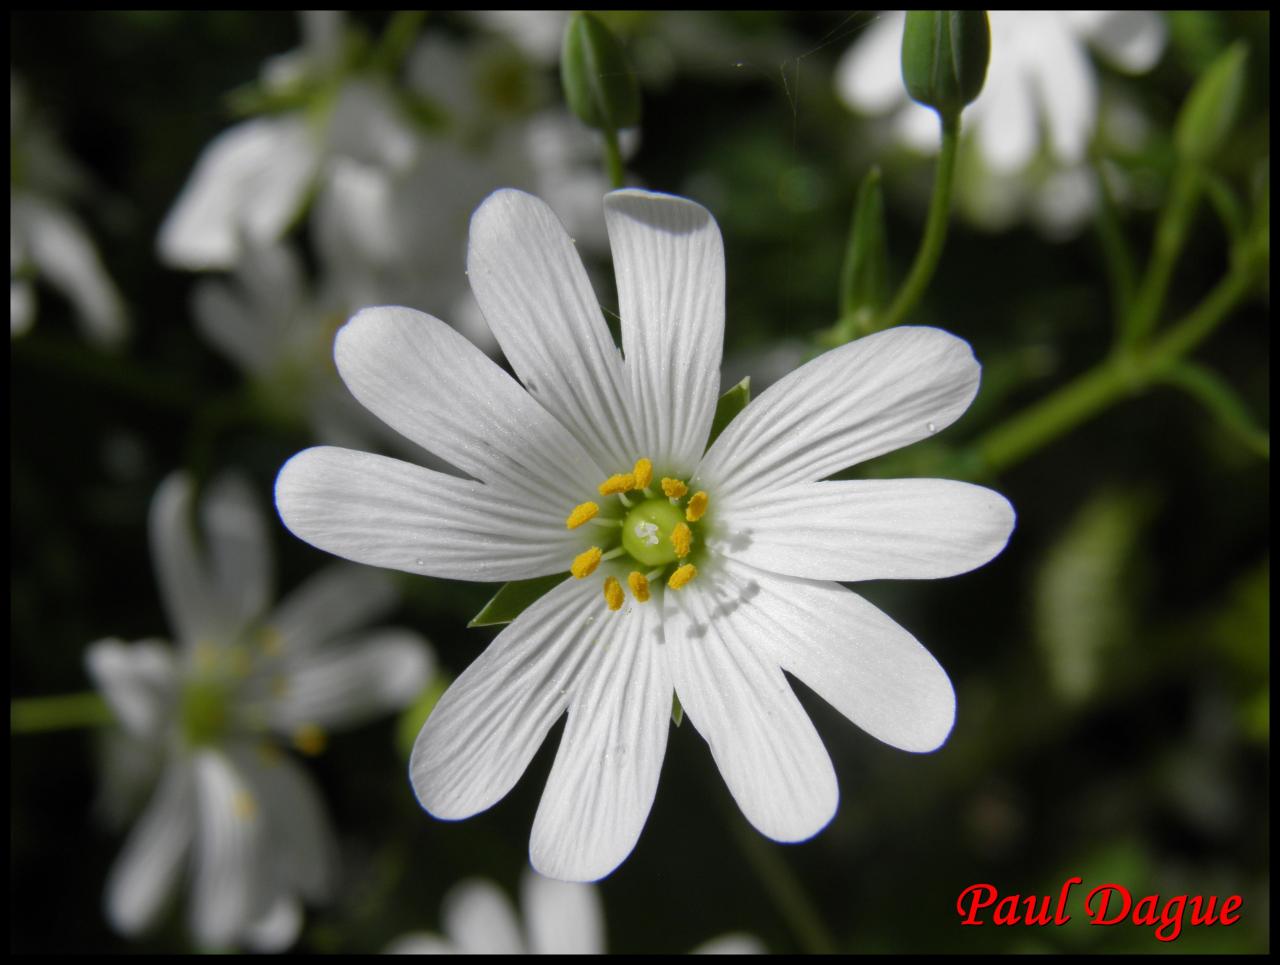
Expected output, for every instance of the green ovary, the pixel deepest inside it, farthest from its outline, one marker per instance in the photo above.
(204, 712)
(646, 532)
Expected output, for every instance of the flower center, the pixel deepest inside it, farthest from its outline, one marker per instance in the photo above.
(651, 538)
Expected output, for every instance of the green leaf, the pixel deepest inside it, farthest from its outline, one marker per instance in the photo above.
(677, 711)
(864, 279)
(944, 57)
(513, 599)
(1210, 110)
(730, 404)
(599, 84)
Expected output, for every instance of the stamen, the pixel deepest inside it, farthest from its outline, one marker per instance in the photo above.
(613, 595)
(682, 539)
(613, 554)
(581, 514)
(271, 640)
(682, 576)
(244, 805)
(309, 739)
(643, 473)
(639, 586)
(585, 563)
(606, 521)
(618, 484)
(697, 506)
(673, 488)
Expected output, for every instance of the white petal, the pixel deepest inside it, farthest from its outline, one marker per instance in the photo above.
(1132, 40)
(486, 728)
(1007, 132)
(1068, 92)
(734, 943)
(534, 292)
(384, 512)
(366, 125)
(139, 681)
(247, 186)
(338, 599)
(146, 872)
(733, 692)
(351, 681)
(853, 403)
(434, 387)
(669, 262)
(22, 307)
(869, 74)
(605, 775)
(561, 917)
(849, 653)
(60, 247)
(479, 920)
(226, 323)
(277, 929)
(239, 550)
(419, 943)
(251, 320)
(228, 881)
(303, 849)
(186, 585)
(867, 529)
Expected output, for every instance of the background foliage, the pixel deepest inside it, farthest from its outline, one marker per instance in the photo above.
(1111, 665)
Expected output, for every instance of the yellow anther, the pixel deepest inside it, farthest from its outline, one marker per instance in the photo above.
(674, 488)
(310, 739)
(244, 805)
(615, 485)
(682, 539)
(271, 640)
(639, 586)
(643, 473)
(279, 685)
(613, 595)
(697, 506)
(585, 563)
(582, 513)
(682, 576)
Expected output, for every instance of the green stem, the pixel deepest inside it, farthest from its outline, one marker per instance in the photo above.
(1102, 385)
(1171, 235)
(33, 715)
(1115, 250)
(785, 890)
(613, 158)
(935, 232)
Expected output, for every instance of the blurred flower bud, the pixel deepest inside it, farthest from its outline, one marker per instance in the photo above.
(944, 57)
(598, 82)
(864, 279)
(1211, 109)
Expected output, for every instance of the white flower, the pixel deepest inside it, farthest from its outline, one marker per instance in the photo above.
(1040, 78)
(46, 240)
(212, 709)
(739, 588)
(254, 178)
(560, 918)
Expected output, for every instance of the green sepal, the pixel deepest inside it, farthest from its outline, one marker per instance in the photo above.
(677, 711)
(599, 85)
(944, 57)
(730, 404)
(513, 599)
(864, 279)
(1210, 110)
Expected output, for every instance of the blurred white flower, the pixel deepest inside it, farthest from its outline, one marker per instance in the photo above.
(560, 918)
(46, 240)
(229, 804)
(1040, 79)
(731, 567)
(251, 182)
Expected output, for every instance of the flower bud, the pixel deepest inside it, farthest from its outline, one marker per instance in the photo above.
(598, 82)
(944, 57)
(864, 280)
(1210, 110)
